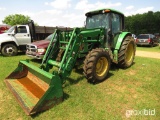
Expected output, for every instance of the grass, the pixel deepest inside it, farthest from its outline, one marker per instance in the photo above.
(135, 88)
(149, 49)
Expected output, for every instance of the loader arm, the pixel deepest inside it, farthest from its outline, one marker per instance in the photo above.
(69, 42)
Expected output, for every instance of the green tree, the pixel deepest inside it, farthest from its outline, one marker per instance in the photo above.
(16, 19)
(143, 23)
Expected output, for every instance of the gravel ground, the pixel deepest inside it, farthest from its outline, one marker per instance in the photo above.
(148, 54)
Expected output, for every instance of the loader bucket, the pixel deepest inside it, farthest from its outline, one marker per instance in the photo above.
(35, 89)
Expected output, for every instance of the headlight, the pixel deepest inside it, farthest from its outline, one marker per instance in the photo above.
(41, 50)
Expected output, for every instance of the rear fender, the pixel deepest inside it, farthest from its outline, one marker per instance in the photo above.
(120, 39)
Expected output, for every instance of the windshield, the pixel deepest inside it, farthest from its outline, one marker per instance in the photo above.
(143, 37)
(97, 21)
(11, 29)
(50, 37)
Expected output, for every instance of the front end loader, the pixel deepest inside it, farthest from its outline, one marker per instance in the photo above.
(100, 43)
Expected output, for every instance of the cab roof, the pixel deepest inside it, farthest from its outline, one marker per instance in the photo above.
(104, 10)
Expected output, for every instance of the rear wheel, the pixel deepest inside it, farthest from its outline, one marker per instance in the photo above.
(126, 53)
(9, 50)
(96, 65)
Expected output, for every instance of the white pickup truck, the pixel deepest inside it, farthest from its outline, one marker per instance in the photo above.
(18, 36)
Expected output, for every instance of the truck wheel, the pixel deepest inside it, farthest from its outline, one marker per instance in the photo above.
(9, 50)
(96, 65)
(126, 53)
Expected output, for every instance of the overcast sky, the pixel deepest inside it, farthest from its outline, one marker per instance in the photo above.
(71, 13)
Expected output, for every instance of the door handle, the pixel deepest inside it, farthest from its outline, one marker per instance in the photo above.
(27, 35)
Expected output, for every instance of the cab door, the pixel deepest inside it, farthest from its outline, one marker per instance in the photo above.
(22, 36)
(116, 23)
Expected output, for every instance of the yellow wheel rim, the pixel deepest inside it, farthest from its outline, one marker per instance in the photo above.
(101, 66)
(129, 53)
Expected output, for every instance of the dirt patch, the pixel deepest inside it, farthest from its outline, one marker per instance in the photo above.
(148, 54)
(131, 72)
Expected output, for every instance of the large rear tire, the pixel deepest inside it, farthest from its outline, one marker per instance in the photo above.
(126, 53)
(97, 65)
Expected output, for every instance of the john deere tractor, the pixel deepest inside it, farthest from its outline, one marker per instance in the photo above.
(99, 44)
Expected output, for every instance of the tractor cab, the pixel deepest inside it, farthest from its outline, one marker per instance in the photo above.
(111, 20)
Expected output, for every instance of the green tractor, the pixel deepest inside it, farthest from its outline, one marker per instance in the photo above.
(99, 44)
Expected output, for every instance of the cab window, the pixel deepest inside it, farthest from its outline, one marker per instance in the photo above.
(21, 29)
(97, 21)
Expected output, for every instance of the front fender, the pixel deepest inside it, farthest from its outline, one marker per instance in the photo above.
(7, 38)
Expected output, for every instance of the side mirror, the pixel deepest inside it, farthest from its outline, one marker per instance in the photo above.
(15, 30)
(109, 31)
(85, 24)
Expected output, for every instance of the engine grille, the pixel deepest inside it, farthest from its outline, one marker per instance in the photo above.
(31, 48)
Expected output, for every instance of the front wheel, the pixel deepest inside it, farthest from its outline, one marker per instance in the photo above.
(97, 65)
(9, 50)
